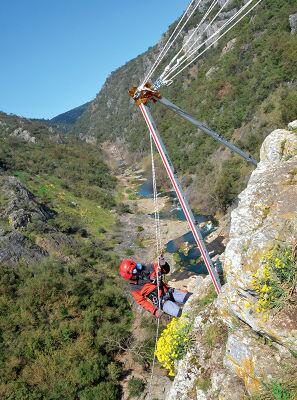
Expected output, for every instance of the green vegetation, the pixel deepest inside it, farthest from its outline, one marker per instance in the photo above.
(200, 303)
(59, 327)
(135, 387)
(70, 178)
(278, 391)
(215, 334)
(203, 384)
(275, 282)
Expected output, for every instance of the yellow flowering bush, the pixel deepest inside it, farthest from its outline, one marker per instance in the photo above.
(173, 343)
(275, 282)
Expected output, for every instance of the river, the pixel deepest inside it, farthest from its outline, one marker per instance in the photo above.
(184, 248)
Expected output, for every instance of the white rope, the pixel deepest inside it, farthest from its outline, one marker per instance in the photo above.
(158, 250)
(215, 41)
(171, 41)
(228, 22)
(168, 67)
(205, 29)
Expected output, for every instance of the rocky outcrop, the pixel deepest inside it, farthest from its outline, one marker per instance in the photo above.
(15, 247)
(293, 23)
(292, 125)
(266, 215)
(19, 206)
(236, 350)
(20, 215)
(23, 134)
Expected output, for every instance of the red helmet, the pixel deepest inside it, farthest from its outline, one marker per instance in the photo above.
(126, 268)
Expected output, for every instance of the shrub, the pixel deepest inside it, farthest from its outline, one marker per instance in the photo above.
(173, 343)
(129, 252)
(114, 371)
(275, 282)
(103, 391)
(135, 387)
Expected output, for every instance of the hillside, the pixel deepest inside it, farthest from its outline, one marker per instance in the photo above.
(65, 121)
(31, 131)
(63, 310)
(244, 88)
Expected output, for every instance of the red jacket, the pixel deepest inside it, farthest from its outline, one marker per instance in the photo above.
(144, 289)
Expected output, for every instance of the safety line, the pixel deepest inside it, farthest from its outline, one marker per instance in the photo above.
(215, 41)
(169, 44)
(169, 66)
(177, 190)
(189, 50)
(158, 248)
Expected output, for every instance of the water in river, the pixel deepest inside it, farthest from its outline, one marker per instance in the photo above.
(188, 260)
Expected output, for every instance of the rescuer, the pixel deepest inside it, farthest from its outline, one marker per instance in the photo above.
(143, 284)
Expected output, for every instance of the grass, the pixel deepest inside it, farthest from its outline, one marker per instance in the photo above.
(215, 334)
(199, 304)
(129, 252)
(132, 196)
(95, 219)
(203, 383)
(277, 391)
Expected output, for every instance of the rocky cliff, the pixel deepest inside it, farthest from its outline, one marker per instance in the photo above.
(245, 344)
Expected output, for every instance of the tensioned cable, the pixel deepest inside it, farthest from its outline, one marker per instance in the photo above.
(204, 30)
(211, 7)
(228, 22)
(158, 250)
(215, 41)
(171, 41)
(164, 49)
(231, 19)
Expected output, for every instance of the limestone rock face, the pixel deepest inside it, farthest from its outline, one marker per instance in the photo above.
(201, 374)
(235, 350)
(266, 215)
(23, 134)
(206, 31)
(292, 125)
(252, 359)
(14, 247)
(18, 209)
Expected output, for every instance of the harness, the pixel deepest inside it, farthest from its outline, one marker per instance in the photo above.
(144, 277)
(153, 296)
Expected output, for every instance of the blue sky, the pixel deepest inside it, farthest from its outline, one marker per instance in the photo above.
(56, 54)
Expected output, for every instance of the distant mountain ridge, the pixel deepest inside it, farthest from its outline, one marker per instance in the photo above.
(70, 117)
(64, 122)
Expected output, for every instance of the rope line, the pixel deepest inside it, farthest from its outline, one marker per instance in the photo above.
(168, 68)
(171, 41)
(158, 251)
(188, 51)
(215, 41)
(191, 53)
